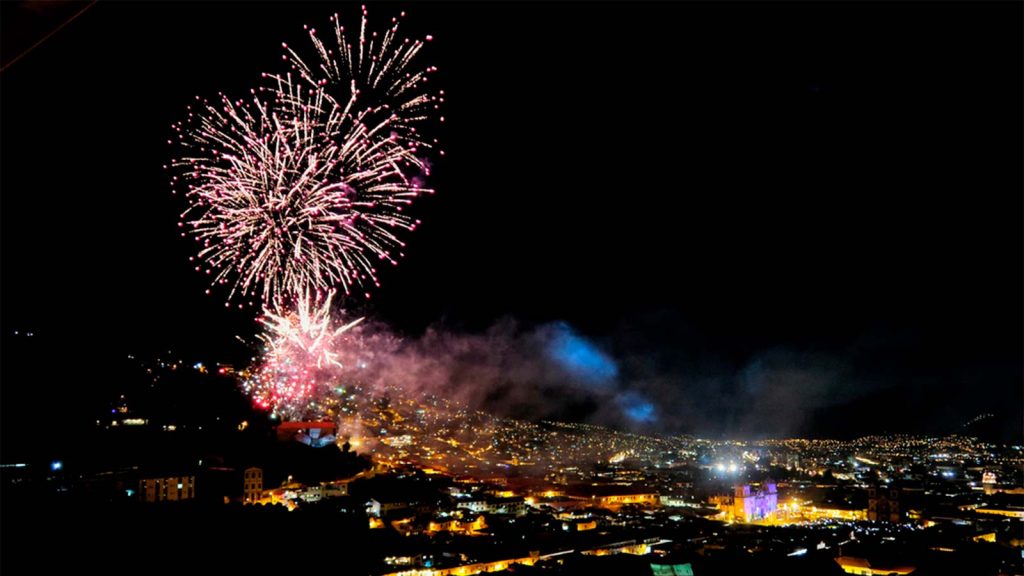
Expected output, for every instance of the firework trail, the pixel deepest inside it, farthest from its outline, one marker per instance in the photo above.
(299, 189)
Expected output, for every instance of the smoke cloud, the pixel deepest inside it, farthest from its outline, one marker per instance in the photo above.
(554, 372)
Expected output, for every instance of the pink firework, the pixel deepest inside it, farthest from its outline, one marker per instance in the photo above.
(287, 195)
(306, 353)
(303, 186)
(373, 76)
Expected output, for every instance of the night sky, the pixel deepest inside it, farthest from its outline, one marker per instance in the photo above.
(816, 206)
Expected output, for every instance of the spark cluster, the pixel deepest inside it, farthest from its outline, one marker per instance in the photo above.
(306, 354)
(300, 190)
(371, 75)
(303, 186)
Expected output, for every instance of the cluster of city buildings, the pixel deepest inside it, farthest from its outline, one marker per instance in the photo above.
(445, 490)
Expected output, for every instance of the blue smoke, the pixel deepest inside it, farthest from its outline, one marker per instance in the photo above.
(580, 357)
(637, 408)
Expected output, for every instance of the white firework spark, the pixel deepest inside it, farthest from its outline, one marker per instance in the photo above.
(309, 331)
(287, 194)
(306, 354)
(372, 76)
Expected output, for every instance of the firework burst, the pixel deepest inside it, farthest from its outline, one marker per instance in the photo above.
(372, 76)
(287, 196)
(309, 331)
(303, 188)
(300, 190)
(306, 354)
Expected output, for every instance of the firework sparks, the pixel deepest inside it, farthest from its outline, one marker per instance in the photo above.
(310, 330)
(300, 187)
(300, 190)
(374, 78)
(306, 352)
(286, 196)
